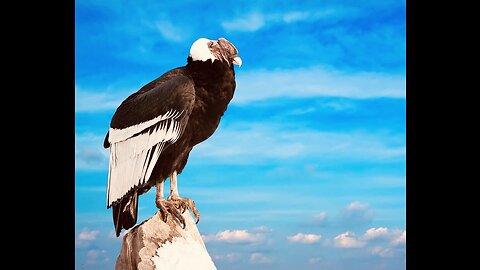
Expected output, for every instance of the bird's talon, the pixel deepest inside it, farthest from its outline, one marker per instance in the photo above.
(168, 207)
(183, 204)
(184, 207)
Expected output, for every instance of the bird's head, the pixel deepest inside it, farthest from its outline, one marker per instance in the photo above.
(221, 49)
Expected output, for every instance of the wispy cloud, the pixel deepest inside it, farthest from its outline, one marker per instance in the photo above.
(256, 85)
(259, 258)
(348, 240)
(234, 236)
(229, 257)
(399, 238)
(89, 152)
(265, 142)
(320, 218)
(95, 101)
(385, 252)
(304, 238)
(261, 142)
(357, 213)
(356, 206)
(314, 260)
(90, 158)
(257, 20)
(315, 82)
(170, 32)
(261, 229)
(249, 23)
(97, 256)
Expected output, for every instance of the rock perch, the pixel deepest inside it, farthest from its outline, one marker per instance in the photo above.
(154, 244)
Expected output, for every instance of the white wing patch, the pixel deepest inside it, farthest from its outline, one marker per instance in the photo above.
(132, 158)
(117, 135)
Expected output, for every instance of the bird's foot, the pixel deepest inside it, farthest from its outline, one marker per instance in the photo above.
(168, 207)
(183, 204)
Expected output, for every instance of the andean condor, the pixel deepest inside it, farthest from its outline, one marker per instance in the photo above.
(153, 131)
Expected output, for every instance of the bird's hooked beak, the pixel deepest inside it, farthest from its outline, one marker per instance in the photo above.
(228, 50)
(237, 61)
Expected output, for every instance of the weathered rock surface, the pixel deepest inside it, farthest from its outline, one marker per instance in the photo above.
(154, 244)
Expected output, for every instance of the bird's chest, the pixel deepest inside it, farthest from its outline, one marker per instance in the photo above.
(206, 115)
(204, 122)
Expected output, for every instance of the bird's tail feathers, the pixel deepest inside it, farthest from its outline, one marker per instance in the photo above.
(125, 212)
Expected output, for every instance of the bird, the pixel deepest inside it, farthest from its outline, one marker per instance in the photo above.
(154, 129)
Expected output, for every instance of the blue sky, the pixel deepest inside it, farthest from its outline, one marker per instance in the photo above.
(307, 168)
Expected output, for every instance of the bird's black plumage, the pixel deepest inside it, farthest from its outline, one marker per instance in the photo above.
(201, 91)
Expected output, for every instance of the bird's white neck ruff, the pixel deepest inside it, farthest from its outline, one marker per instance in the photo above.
(200, 51)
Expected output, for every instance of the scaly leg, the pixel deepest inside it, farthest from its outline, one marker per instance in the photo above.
(167, 207)
(181, 203)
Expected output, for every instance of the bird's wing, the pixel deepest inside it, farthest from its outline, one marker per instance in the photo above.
(144, 125)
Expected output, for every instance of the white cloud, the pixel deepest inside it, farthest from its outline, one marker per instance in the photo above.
(89, 152)
(169, 31)
(315, 82)
(298, 16)
(94, 101)
(356, 206)
(234, 236)
(304, 238)
(87, 235)
(95, 253)
(302, 111)
(252, 22)
(259, 258)
(399, 238)
(314, 260)
(90, 158)
(348, 240)
(373, 233)
(394, 237)
(258, 85)
(257, 20)
(320, 218)
(262, 142)
(97, 256)
(384, 247)
(382, 251)
(356, 212)
(261, 229)
(229, 257)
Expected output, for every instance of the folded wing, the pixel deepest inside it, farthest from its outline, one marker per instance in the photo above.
(143, 126)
